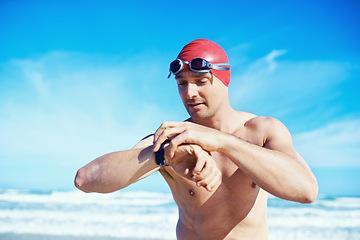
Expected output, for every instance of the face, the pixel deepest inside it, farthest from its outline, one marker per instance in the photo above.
(202, 93)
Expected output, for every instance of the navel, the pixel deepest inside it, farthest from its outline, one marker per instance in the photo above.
(253, 185)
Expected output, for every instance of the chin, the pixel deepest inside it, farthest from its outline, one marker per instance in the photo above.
(198, 115)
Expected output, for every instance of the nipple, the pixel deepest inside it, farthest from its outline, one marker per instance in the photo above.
(191, 192)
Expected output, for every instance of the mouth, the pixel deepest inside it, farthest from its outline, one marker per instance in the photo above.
(195, 104)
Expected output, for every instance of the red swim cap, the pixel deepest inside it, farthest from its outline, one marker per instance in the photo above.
(209, 51)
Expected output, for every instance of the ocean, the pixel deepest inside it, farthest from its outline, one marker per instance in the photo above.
(125, 215)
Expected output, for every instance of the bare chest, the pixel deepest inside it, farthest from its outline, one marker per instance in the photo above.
(231, 205)
(234, 185)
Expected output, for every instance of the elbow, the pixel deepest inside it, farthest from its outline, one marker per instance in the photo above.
(311, 192)
(81, 180)
(309, 197)
(88, 180)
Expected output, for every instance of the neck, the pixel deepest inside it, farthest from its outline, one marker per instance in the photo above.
(223, 120)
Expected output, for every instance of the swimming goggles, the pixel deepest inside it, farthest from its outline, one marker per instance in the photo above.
(196, 65)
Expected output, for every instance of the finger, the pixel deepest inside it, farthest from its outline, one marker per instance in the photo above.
(187, 173)
(207, 174)
(203, 174)
(166, 134)
(206, 168)
(172, 147)
(157, 134)
(159, 131)
(157, 144)
(198, 169)
(181, 137)
(214, 183)
(200, 162)
(167, 130)
(209, 181)
(163, 126)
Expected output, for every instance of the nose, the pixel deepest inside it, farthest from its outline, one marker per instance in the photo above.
(191, 91)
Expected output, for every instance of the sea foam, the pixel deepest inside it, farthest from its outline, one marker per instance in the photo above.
(151, 215)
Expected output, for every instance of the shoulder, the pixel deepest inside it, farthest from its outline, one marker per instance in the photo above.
(263, 122)
(270, 129)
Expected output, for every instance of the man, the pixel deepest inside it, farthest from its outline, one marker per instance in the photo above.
(220, 164)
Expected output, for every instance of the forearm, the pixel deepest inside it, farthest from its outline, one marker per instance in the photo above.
(282, 175)
(116, 170)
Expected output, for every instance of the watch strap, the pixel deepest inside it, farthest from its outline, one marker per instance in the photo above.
(159, 155)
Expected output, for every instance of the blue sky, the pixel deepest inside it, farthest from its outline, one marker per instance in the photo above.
(80, 79)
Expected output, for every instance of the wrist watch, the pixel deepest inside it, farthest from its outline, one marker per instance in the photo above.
(159, 155)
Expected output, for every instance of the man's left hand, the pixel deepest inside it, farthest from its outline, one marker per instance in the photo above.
(187, 133)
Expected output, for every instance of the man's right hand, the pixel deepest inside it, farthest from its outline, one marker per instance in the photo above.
(196, 164)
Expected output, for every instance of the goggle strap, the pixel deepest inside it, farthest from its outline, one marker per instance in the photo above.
(219, 66)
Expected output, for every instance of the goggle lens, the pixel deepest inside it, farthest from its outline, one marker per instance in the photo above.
(199, 64)
(175, 66)
(196, 65)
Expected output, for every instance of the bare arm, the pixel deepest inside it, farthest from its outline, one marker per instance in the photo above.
(276, 167)
(117, 170)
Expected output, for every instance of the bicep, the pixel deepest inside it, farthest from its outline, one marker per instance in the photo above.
(278, 138)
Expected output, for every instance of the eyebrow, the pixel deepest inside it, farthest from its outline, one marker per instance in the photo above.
(195, 75)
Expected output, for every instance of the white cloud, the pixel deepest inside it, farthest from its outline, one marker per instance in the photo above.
(65, 109)
(303, 95)
(333, 145)
(69, 107)
(270, 58)
(33, 75)
(269, 86)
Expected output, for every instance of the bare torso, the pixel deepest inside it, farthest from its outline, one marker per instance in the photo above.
(235, 210)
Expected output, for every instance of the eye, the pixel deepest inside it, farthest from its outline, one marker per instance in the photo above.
(202, 81)
(182, 83)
